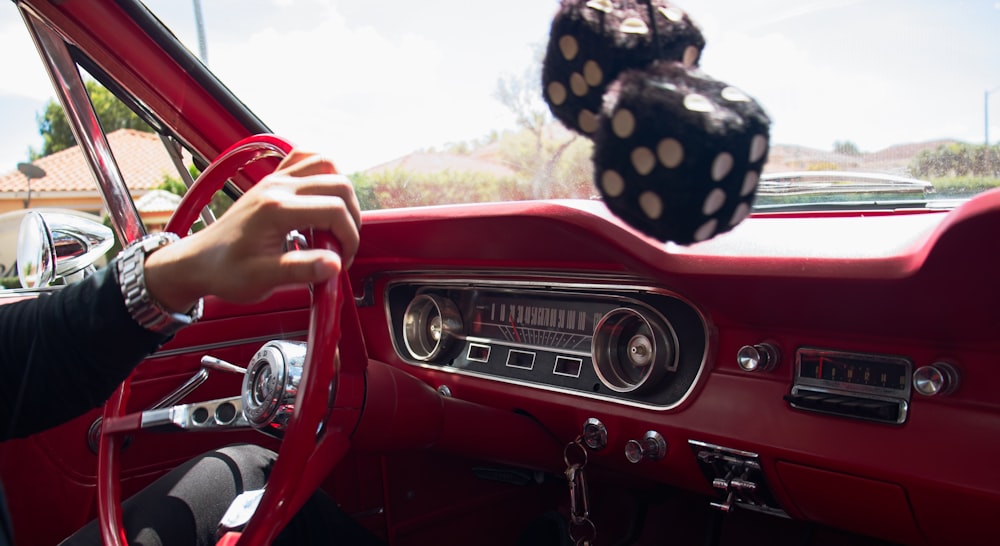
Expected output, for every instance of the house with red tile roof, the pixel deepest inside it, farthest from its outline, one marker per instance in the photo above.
(69, 184)
(435, 162)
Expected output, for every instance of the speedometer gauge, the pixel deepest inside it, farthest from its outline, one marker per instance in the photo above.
(536, 322)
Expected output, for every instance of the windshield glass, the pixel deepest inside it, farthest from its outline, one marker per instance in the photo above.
(441, 101)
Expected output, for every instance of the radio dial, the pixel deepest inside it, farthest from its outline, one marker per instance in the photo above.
(761, 357)
(936, 379)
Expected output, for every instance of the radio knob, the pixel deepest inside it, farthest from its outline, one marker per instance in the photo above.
(761, 357)
(934, 379)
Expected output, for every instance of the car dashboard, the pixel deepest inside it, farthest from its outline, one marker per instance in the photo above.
(833, 368)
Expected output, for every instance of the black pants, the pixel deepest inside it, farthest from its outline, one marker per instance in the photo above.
(183, 508)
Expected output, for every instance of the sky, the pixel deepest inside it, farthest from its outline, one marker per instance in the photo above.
(367, 82)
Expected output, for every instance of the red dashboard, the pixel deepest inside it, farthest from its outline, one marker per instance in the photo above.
(890, 296)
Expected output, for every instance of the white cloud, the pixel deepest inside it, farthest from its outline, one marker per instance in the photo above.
(23, 74)
(326, 94)
(355, 93)
(875, 90)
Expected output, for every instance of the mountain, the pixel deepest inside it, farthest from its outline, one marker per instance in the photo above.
(894, 159)
(782, 158)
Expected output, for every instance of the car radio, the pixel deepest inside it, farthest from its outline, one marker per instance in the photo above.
(861, 385)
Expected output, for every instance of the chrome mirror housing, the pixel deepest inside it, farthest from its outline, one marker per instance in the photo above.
(58, 245)
(35, 252)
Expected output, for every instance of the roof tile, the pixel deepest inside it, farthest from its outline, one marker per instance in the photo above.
(141, 156)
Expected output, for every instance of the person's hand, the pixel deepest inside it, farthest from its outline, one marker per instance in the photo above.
(241, 258)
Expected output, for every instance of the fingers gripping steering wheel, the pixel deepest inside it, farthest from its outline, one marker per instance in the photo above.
(331, 390)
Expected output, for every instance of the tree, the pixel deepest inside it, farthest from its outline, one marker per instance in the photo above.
(403, 188)
(219, 204)
(112, 113)
(957, 159)
(540, 156)
(846, 147)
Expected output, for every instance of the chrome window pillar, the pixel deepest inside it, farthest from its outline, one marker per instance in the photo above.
(72, 94)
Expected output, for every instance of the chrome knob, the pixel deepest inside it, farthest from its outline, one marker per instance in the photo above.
(934, 379)
(652, 447)
(760, 357)
(595, 434)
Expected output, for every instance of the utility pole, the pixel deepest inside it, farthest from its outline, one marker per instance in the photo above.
(986, 115)
(199, 23)
(986, 131)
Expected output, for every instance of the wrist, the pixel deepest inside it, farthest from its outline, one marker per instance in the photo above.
(142, 285)
(173, 275)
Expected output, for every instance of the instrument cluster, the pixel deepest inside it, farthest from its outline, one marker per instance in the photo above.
(636, 345)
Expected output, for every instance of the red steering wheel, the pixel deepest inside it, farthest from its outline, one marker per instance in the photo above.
(318, 435)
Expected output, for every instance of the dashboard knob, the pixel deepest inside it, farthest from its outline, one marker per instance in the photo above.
(652, 447)
(934, 379)
(595, 434)
(761, 357)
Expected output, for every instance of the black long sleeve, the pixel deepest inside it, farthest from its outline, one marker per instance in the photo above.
(64, 353)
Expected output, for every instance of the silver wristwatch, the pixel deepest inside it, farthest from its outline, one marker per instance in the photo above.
(146, 311)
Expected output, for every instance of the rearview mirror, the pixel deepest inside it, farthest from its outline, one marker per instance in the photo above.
(57, 245)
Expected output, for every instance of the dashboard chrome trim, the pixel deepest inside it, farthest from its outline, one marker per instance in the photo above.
(482, 354)
(577, 362)
(596, 285)
(209, 347)
(515, 356)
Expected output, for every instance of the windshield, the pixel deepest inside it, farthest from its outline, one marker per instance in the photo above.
(441, 101)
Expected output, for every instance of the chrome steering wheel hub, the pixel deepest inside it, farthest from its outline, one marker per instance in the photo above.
(270, 384)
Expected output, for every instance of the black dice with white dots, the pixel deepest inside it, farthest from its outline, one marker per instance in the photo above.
(591, 42)
(677, 154)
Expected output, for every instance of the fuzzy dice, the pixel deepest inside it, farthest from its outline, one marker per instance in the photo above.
(592, 42)
(677, 154)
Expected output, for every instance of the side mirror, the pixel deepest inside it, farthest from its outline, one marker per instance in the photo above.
(57, 245)
(35, 254)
